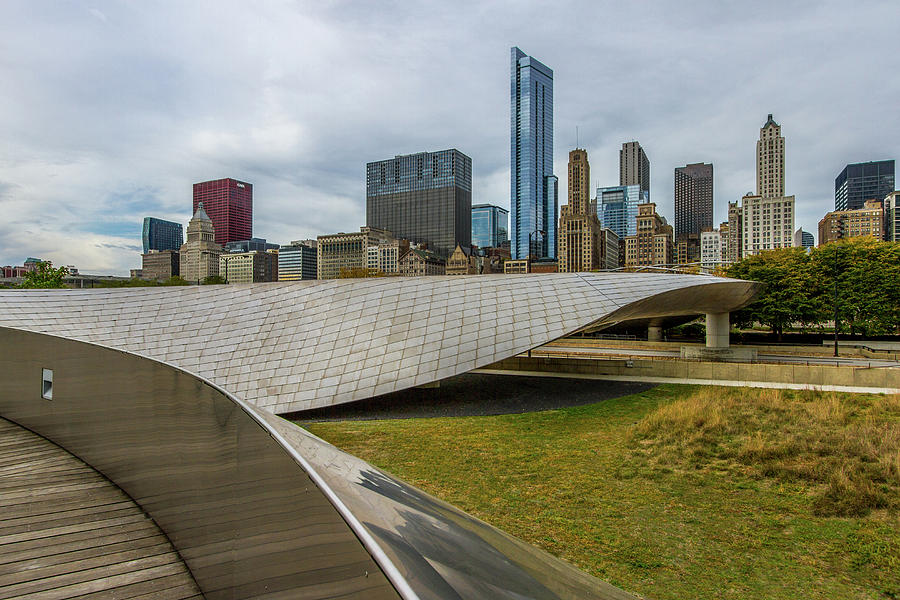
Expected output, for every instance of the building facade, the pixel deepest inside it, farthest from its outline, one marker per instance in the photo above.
(297, 261)
(199, 255)
(490, 226)
(770, 160)
(160, 265)
(229, 203)
(867, 221)
(803, 239)
(734, 250)
(711, 255)
(609, 244)
(892, 217)
(693, 200)
(158, 234)
(425, 198)
(419, 263)
(654, 242)
(384, 258)
(258, 244)
(766, 223)
(687, 249)
(634, 167)
(255, 266)
(534, 202)
(463, 261)
(617, 208)
(347, 254)
(859, 182)
(579, 227)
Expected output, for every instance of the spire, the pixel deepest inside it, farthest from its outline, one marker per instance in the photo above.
(201, 214)
(770, 121)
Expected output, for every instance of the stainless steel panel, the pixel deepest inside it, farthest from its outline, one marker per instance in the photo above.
(240, 509)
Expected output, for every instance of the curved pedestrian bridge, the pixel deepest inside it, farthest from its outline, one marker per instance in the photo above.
(67, 532)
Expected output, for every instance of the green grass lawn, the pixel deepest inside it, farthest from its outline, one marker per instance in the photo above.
(677, 492)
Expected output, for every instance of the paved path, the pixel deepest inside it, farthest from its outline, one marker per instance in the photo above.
(767, 358)
(68, 532)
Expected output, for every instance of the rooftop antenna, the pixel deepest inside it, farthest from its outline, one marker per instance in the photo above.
(577, 145)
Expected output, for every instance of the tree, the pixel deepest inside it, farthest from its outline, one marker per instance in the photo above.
(213, 280)
(790, 294)
(44, 276)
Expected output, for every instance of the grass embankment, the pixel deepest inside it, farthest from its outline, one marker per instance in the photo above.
(678, 492)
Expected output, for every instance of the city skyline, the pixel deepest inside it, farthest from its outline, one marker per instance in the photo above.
(120, 124)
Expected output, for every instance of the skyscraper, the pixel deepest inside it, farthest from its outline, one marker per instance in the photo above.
(693, 199)
(490, 226)
(617, 208)
(892, 217)
(767, 218)
(229, 203)
(161, 235)
(579, 247)
(863, 181)
(634, 167)
(770, 160)
(425, 198)
(534, 200)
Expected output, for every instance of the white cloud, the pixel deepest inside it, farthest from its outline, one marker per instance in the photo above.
(110, 111)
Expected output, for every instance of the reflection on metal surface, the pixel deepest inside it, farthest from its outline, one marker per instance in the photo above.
(256, 506)
(294, 346)
(441, 551)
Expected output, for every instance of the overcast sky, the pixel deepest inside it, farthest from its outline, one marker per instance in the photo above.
(109, 111)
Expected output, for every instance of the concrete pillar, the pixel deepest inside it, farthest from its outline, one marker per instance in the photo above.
(717, 328)
(654, 334)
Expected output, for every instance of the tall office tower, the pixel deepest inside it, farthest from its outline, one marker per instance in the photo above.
(199, 255)
(617, 208)
(579, 228)
(770, 161)
(634, 167)
(161, 235)
(693, 200)
(229, 203)
(766, 223)
(892, 217)
(533, 200)
(863, 181)
(579, 182)
(490, 226)
(425, 198)
(867, 221)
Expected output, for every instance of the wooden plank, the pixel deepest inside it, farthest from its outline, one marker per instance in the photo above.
(66, 531)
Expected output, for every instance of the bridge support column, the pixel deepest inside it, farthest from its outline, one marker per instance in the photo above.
(654, 334)
(717, 329)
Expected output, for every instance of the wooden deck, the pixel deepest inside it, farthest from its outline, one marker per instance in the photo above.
(68, 532)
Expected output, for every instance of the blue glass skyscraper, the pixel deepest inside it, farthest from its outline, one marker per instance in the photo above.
(533, 200)
(490, 225)
(161, 235)
(617, 208)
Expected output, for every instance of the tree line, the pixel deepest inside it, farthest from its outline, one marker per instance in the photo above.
(860, 277)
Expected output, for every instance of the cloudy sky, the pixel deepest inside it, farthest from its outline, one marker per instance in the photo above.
(109, 111)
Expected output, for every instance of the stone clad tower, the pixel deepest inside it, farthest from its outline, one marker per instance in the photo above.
(579, 249)
(200, 253)
(769, 161)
